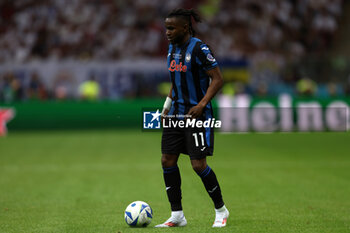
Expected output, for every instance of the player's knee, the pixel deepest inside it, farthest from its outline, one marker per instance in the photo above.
(164, 162)
(199, 167)
(168, 161)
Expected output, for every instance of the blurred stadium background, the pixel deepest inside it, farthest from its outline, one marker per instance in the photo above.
(89, 64)
(115, 50)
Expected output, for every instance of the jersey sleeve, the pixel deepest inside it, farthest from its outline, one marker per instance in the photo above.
(205, 57)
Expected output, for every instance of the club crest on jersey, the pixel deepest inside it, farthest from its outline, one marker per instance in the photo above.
(210, 57)
(188, 57)
(177, 67)
(176, 55)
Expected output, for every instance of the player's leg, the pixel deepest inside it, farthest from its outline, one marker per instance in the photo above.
(172, 145)
(172, 181)
(209, 180)
(200, 143)
(212, 186)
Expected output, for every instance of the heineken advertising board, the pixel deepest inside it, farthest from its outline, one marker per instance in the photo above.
(243, 113)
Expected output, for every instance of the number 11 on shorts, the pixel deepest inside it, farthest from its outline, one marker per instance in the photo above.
(195, 135)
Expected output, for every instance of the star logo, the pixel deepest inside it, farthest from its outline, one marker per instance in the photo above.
(156, 115)
(6, 114)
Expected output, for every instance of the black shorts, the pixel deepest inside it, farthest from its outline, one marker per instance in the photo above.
(195, 142)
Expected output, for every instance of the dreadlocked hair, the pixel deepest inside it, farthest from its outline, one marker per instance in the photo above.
(186, 14)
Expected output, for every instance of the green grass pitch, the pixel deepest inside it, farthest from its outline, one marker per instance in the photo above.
(70, 181)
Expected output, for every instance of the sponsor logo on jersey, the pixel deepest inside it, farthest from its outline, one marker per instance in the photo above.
(177, 67)
(205, 48)
(188, 57)
(210, 58)
(177, 56)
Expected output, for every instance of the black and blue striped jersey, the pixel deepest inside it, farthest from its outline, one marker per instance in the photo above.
(187, 65)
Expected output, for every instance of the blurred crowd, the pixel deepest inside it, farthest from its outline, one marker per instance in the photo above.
(117, 29)
(82, 29)
(13, 88)
(270, 34)
(289, 28)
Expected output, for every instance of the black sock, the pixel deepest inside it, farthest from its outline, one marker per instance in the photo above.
(172, 181)
(212, 186)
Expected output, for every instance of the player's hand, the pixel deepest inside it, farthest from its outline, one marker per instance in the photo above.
(196, 111)
(164, 114)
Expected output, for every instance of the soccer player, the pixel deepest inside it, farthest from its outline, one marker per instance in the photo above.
(196, 78)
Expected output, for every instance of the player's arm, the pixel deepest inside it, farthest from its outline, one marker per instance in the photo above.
(170, 95)
(168, 101)
(216, 83)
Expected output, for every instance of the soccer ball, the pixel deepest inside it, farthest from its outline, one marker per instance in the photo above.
(138, 214)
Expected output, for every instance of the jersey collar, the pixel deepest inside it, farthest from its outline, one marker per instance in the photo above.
(185, 44)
